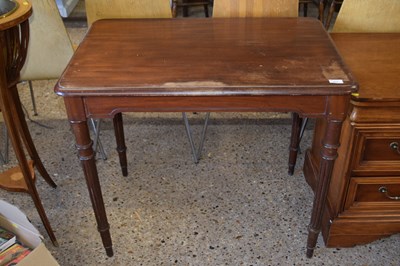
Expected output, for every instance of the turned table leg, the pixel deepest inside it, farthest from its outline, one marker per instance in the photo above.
(120, 138)
(328, 156)
(87, 158)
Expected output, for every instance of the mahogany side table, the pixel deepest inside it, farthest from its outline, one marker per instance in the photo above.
(14, 37)
(242, 65)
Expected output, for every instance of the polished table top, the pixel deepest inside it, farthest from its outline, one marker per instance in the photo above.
(251, 64)
(252, 56)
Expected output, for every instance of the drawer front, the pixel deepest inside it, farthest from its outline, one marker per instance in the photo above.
(377, 150)
(374, 193)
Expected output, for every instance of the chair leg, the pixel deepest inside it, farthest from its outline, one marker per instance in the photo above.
(203, 136)
(321, 9)
(189, 135)
(196, 153)
(330, 14)
(303, 128)
(294, 141)
(32, 98)
(97, 145)
(174, 8)
(206, 14)
(120, 139)
(298, 124)
(305, 9)
(185, 11)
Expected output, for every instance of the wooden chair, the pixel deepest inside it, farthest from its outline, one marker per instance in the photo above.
(100, 9)
(255, 8)
(50, 48)
(319, 3)
(305, 3)
(334, 6)
(368, 16)
(185, 4)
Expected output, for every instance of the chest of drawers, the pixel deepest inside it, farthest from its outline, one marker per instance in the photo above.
(364, 197)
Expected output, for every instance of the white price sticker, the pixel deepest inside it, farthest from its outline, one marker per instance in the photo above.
(336, 81)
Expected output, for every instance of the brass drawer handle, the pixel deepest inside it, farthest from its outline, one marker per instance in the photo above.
(385, 191)
(395, 146)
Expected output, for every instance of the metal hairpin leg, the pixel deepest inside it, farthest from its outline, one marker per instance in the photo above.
(303, 127)
(97, 142)
(196, 153)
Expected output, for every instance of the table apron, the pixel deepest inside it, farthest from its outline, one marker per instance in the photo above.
(108, 106)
